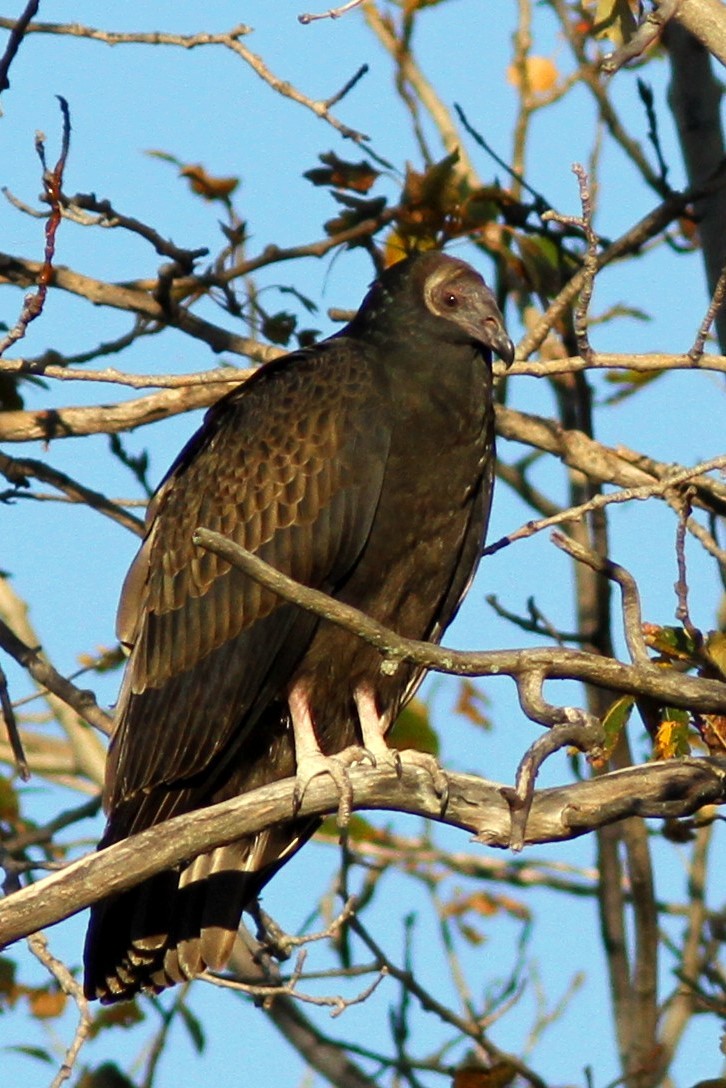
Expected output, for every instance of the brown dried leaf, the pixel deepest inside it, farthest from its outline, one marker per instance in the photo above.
(206, 185)
(713, 733)
(358, 176)
(470, 704)
(46, 1004)
(498, 1075)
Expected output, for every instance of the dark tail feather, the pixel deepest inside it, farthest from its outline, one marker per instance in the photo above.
(168, 929)
(179, 923)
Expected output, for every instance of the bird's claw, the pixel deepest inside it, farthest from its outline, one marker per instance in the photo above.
(336, 766)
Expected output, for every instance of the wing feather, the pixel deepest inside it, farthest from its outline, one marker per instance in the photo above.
(290, 466)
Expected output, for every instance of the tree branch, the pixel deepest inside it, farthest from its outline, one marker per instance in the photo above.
(670, 687)
(659, 790)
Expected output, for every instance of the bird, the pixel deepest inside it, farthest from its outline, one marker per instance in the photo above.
(362, 466)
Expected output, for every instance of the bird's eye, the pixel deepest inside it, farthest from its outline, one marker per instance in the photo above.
(451, 300)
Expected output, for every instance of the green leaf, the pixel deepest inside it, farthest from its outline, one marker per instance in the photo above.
(672, 642)
(107, 1075)
(32, 1052)
(412, 729)
(615, 720)
(194, 1027)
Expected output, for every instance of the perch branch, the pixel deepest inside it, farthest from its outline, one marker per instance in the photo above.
(670, 789)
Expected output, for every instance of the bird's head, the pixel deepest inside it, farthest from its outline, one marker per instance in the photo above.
(438, 296)
(453, 291)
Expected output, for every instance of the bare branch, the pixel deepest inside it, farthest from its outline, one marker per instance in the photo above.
(38, 945)
(17, 470)
(52, 185)
(574, 513)
(667, 789)
(230, 40)
(332, 13)
(17, 33)
(692, 693)
(83, 702)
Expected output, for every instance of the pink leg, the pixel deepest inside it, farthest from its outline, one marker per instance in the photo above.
(374, 727)
(310, 761)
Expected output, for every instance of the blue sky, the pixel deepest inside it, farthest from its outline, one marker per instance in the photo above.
(208, 107)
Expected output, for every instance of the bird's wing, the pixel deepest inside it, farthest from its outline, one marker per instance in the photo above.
(290, 467)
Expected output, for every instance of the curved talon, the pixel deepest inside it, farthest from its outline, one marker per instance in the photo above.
(315, 763)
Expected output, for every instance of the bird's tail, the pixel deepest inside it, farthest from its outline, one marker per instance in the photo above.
(179, 923)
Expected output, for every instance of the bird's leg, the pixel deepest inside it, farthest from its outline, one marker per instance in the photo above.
(374, 727)
(311, 761)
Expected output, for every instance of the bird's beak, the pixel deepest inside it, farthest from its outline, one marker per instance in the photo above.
(499, 342)
(483, 320)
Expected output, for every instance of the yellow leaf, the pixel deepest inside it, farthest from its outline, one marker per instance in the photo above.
(671, 740)
(541, 74)
(716, 650)
(616, 20)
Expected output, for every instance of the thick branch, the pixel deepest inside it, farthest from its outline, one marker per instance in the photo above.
(668, 789)
(705, 20)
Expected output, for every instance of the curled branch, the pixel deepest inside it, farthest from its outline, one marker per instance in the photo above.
(675, 689)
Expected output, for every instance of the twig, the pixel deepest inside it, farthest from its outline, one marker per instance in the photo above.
(714, 308)
(681, 586)
(17, 33)
(231, 40)
(411, 74)
(52, 186)
(8, 715)
(541, 203)
(109, 217)
(17, 470)
(632, 615)
(470, 1028)
(83, 702)
(573, 513)
(38, 945)
(590, 263)
(332, 13)
(349, 84)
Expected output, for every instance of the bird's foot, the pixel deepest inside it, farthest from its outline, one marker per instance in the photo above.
(381, 755)
(314, 763)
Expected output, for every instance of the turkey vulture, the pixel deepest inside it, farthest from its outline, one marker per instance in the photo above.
(362, 466)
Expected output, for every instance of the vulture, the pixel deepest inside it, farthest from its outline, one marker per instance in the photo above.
(362, 466)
